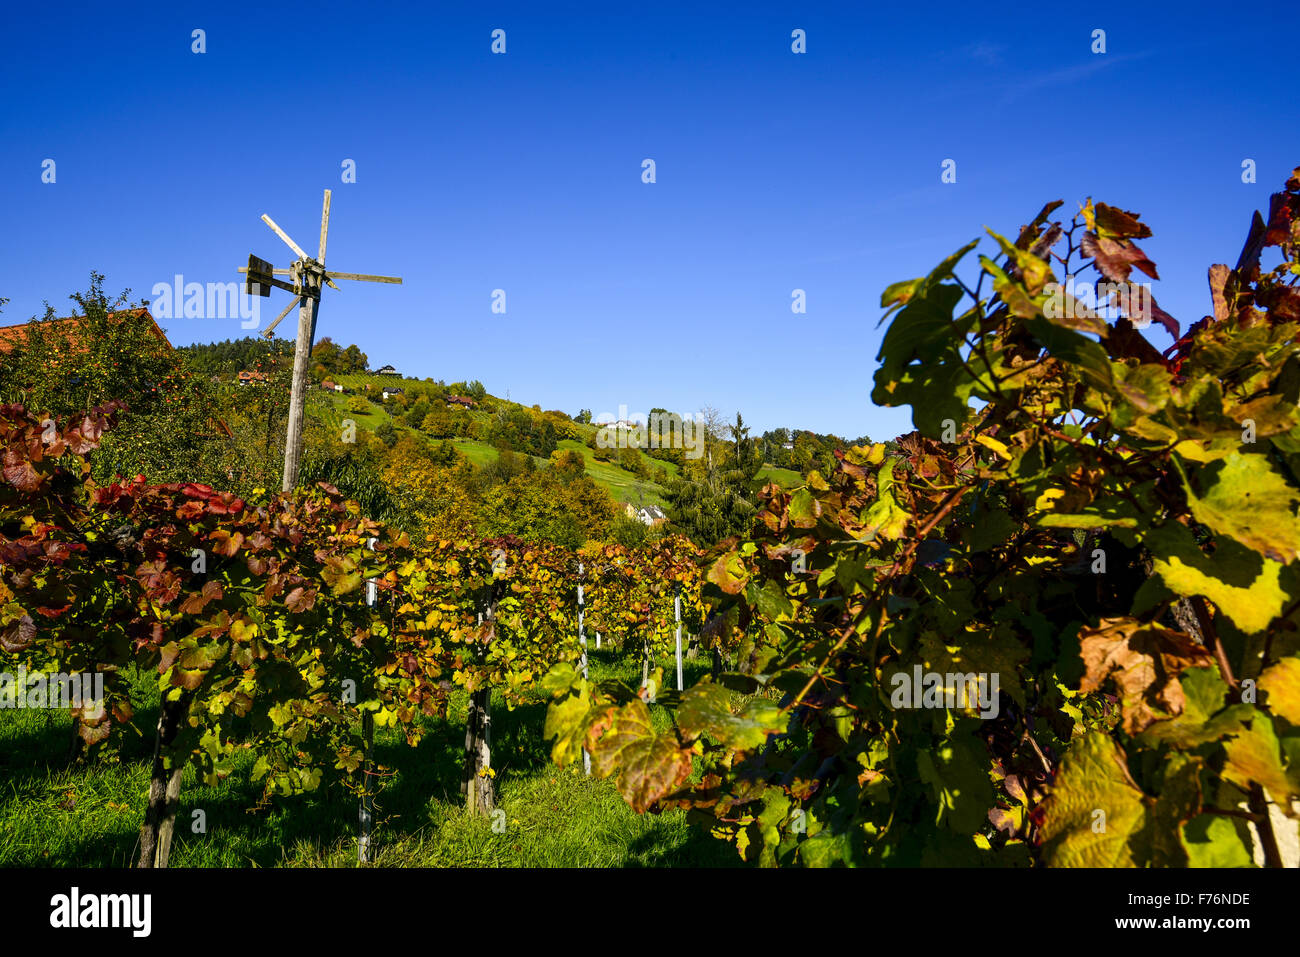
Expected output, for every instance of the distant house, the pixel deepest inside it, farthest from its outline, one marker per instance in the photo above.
(386, 370)
(461, 400)
(651, 515)
(391, 390)
(15, 337)
(331, 386)
(12, 337)
(252, 378)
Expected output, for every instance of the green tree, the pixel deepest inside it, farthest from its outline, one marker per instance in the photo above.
(105, 351)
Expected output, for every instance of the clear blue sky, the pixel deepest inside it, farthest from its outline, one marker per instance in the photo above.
(522, 172)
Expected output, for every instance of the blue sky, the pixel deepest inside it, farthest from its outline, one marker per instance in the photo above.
(522, 172)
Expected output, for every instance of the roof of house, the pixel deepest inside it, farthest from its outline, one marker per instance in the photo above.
(13, 336)
(461, 400)
(248, 374)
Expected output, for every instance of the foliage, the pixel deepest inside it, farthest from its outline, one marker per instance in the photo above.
(168, 427)
(551, 505)
(1107, 532)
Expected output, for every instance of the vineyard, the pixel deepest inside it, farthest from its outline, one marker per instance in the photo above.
(1055, 625)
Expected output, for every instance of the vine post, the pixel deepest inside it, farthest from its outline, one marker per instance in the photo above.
(480, 795)
(677, 613)
(366, 811)
(582, 640)
(164, 783)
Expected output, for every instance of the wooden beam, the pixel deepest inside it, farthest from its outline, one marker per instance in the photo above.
(281, 284)
(298, 393)
(271, 328)
(324, 227)
(362, 277)
(338, 275)
(285, 236)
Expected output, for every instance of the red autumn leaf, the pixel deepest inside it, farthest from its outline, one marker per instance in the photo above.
(301, 599)
(1116, 258)
(19, 473)
(18, 635)
(195, 603)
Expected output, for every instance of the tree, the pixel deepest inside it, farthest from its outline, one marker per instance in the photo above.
(105, 352)
(354, 360)
(631, 460)
(568, 464)
(433, 486)
(546, 507)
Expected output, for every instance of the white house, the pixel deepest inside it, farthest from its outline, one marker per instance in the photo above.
(651, 515)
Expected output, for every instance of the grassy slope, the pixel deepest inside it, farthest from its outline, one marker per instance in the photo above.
(621, 484)
(51, 814)
(786, 478)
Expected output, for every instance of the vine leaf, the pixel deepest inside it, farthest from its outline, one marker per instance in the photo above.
(706, 709)
(1093, 779)
(649, 765)
(1145, 661)
(1282, 684)
(1254, 757)
(1251, 502)
(1252, 599)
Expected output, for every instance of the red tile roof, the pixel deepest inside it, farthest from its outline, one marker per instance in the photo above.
(14, 336)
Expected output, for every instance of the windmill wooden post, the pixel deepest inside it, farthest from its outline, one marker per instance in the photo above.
(307, 277)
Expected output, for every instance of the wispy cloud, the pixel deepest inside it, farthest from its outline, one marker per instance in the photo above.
(1069, 74)
(985, 52)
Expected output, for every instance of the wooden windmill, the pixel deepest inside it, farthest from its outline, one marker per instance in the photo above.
(306, 277)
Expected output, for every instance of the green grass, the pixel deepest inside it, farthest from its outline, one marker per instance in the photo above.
(480, 453)
(89, 815)
(621, 484)
(786, 478)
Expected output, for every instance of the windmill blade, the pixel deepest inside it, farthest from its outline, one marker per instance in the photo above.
(324, 227)
(271, 328)
(285, 236)
(362, 277)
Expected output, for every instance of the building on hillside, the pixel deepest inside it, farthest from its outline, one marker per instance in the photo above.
(461, 400)
(329, 385)
(391, 390)
(651, 515)
(386, 370)
(252, 378)
(11, 337)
